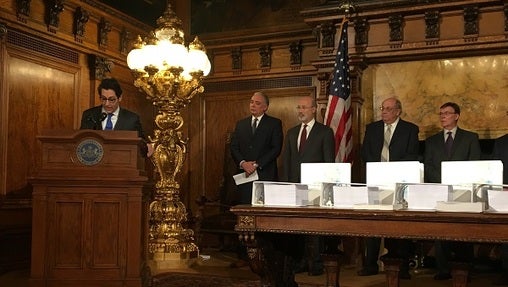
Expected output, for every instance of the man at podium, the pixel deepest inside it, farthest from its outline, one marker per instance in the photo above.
(110, 116)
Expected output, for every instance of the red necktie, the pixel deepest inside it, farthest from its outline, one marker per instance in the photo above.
(303, 138)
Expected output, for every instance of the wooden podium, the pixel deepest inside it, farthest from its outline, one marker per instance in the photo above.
(87, 227)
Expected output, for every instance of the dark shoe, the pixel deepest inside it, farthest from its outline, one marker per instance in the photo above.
(239, 264)
(442, 276)
(316, 272)
(404, 275)
(367, 272)
(300, 268)
(502, 280)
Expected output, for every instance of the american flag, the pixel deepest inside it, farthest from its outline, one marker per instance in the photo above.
(338, 111)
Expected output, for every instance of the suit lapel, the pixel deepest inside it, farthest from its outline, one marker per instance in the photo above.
(121, 120)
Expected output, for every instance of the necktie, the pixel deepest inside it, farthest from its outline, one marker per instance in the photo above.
(303, 138)
(449, 144)
(109, 123)
(385, 152)
(254, 125)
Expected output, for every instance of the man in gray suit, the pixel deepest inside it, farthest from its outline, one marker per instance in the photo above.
(309, 141)
(452, 143)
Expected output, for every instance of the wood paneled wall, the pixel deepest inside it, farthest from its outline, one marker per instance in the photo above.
(48, 77)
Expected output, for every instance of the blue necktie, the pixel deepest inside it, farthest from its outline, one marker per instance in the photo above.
(109, 123)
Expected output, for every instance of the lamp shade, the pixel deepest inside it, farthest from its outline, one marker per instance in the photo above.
(198, 61)
(135, 60)
(172, 55)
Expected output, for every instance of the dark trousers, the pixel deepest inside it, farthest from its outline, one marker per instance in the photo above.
(397, 248)
(244, 193)
(456, 251)
(504, 256)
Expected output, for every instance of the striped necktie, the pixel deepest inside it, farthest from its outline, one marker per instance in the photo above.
(385, 152)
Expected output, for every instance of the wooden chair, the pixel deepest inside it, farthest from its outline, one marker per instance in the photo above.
(213, 216)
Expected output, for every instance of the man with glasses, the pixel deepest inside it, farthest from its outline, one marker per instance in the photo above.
(452, 143)
(109, 115)
(389, 139)
(309, 141)
(500, 152)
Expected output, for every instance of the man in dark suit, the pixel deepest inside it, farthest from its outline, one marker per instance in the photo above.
(307, 142)
(453, 143)
(401, 145)
(319, 143)
(500, 152)
(255, 145)
(109, 115)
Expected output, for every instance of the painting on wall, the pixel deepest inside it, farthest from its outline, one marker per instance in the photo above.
(476, 84)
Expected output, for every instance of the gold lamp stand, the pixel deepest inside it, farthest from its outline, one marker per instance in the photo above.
(170, 74)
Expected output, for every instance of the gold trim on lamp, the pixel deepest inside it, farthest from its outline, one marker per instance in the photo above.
(170, 75)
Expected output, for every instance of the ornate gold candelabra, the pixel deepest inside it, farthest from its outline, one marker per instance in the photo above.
(170, 74)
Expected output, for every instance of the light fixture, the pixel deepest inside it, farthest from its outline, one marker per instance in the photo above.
(170, 74)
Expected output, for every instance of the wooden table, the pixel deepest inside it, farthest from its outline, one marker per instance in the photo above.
(254, 221)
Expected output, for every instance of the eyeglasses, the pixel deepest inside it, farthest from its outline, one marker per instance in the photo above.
(446, 113)
(388, 109)
(303, 107)
(111, 100)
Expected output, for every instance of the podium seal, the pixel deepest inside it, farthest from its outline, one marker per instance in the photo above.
(89, 152)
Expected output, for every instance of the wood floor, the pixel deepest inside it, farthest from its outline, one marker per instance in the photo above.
(214, 262)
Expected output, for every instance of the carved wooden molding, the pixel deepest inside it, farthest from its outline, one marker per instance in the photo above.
(265, 55)
(245, 221)
(236, 59)
(3, 31)
(23, 10)
(81, 17)
(505, 10)
(99, 67)
(125, 38)
(471, 14)
(54, 8)
(396, 23)
(361, 32)
(104, 29)
(327, 32)
(295, 49)
(432, 27)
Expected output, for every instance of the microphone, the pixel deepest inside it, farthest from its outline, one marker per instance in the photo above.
(103, 116)
(93, 121)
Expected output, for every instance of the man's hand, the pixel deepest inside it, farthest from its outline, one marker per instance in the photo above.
(249, 167)
(150, 149)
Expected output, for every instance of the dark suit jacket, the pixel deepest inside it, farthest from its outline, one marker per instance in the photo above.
(263, 147)
(500, 152)
(127, 120)
(466, 146)
(319, 147)
(404, 144)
